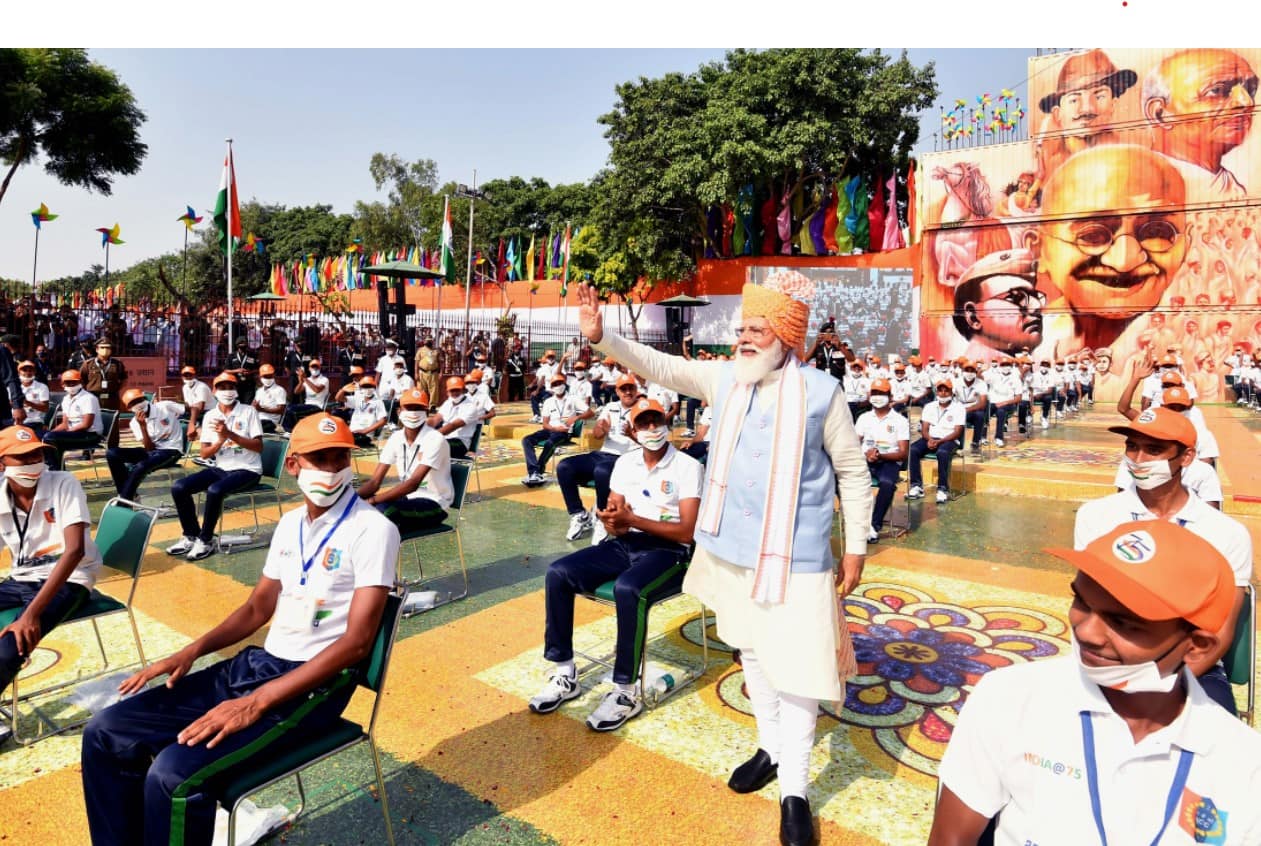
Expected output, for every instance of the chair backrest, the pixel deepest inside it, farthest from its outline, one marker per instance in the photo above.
(575, 431)
(274, 451)
(123, 534)
(372, 669)
(1239, 658)
(476, 440)
(109, 419)
(459, 482)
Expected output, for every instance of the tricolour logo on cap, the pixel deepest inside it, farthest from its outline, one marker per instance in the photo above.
(22, 435)
(328, 426)
(1134, 547)
(1147, 416)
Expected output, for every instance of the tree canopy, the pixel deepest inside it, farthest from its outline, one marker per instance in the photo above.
(75, 114)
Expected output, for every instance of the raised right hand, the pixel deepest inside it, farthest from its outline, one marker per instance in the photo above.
(590, 318)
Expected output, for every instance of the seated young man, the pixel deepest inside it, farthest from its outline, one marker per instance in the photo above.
(972, 395)
(368, 416)
(232, 435)
(885, 436)
(478, 387)
(421, 458)
(653, 502)
(329, 568)
(941, 430)
(613, 425)
(560, 412)
(35, 397)
(197, 398)
(80, 424)
(458, 417)
(313, 388)
(270, 400)
(157, 426)
(55, 560)
(1116, 743)
(346, 399)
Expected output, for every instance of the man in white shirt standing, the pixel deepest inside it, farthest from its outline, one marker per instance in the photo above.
(232, 435)
(653, 503)
(270, 399)
(885, 437)
(1117, 743)
(1159, 446)
(148, 760)
(386, 365)
(613, 425)
(35, 396)
(421, 458)
(157, 426)
(559, 414)
(45, 524)
(80, 425)
(941, 431)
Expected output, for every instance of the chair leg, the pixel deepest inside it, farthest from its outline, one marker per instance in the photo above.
(459, 544)
(385, 802)
(135, 631)
(100, 643)
(301, 797)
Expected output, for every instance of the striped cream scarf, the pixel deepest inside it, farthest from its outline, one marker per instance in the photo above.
(774, 559)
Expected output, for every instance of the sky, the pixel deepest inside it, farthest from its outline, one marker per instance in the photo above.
(305, 123)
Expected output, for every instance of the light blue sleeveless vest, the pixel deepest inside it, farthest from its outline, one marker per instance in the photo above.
(740, 532)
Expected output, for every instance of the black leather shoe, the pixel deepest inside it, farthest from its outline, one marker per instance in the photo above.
(753, 774)
(796, 824)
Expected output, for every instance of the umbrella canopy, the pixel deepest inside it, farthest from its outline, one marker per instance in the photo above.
(683, 300)
(266, 295)
(400, 270)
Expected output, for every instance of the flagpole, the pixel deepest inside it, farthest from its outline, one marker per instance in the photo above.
(231, 179)
(184, 284)
(35, 266)
(468, 278)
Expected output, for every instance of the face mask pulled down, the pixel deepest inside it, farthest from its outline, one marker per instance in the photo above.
(1144, 677)
(1148, 474)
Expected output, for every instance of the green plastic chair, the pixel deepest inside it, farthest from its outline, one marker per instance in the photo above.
(109, 420)
(274, 451)
(410, 540)
(549, 450)
(1240, 660)
(259, 772)
(122, 535)
(474, 445)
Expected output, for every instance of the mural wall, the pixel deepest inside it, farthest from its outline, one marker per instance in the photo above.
(1129, 221)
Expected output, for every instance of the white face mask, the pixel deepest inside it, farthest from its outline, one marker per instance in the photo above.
(140, 408)
(969, 377)
(558, 390)
(654, 439)
(879, 400)
(322, 487)
(315, 371)
(267, 383)
(398, 371)
(1045, 369)
(1148, 474)
(411, 419)
(73, 389)
(189, 381)
(367, 393)
(226, 397)
(1004, 370)
(25, 475)
(26, 380)
(945, 400)
(1128, 678)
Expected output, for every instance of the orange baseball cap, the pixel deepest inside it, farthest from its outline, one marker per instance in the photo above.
(26, 365)
(320, 431)
(474, 375)
(188, 370)
(356, 370)
(224, 377)
(19, 440)
(414, 398)
(609, 361)
(580, 366)
(367, 382)
(1168, 361)
(455, 383)
(315, 362)
(916, 360)
(627, 379)
(946, 382)
(881, 386)
(1174, 378)
(559, 379)
(1177, 395)
(131, 395)
(1160, 571)
(1161, 424)
(266, 370)
(645, 405)
(71, 376)
(858, 363)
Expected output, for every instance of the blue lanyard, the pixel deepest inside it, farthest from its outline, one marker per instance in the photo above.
(307, 562)
(1092, 780)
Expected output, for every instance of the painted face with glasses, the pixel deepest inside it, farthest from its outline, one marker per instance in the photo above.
(1007, 312)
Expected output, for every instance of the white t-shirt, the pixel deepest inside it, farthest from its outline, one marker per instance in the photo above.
(663, 395)
(243, 419)
(198, 393)
(469, 409)
(366, 413)
(1017, 751)
(1100, 516)
(361, 552)
(706, 421)
(75, 408)
(942, 421)
(856, 387)
(556, 410)
(430, 449)
(1005, 387)
(655, 494)
(59, 502)
(319, 398)
(882, 435)
(617, 442)
(969, 393)
(1199, 478)
(163, 423)
(37, 391)
(1153, 390)
(397, 386)
(271, 397)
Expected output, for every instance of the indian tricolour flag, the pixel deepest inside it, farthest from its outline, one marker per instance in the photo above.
(228, 196)
(448, 243)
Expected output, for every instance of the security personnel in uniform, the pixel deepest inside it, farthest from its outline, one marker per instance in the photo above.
(243, 364)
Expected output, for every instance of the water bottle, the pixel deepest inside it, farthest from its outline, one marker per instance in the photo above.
(663, 684)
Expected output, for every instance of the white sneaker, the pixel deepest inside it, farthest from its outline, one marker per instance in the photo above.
(579, 525)
(873, 536)
(536, 419)
(200, 550)
(559, 688)
(614, 710)
(598, 532)
(998, 442)
(915, 492)
(1045, 424)
(943, 495)
(181, 546)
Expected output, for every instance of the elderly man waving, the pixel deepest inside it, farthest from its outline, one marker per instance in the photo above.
(782, 436)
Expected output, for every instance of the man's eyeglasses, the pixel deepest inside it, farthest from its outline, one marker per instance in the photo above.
(1022, 298)
(1095, 239)
(757, 333)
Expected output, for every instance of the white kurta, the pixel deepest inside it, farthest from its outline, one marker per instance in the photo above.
(803, 644)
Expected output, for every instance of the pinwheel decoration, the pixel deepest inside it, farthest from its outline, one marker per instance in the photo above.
(42, 215)
(110, 236)
(254, 244)
(189, 218)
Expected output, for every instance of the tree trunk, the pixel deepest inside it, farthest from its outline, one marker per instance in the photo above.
(18, 159)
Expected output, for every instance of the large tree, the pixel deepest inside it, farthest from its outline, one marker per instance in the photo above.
(72, 112)
(401, 220)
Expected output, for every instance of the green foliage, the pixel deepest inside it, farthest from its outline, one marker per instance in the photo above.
(73, 113)
(401, 220)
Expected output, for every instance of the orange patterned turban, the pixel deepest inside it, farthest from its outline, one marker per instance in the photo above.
(780, 300)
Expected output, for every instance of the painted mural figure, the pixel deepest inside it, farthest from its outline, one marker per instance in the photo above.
(998, 307)
(1199, 103)
(1079, 113)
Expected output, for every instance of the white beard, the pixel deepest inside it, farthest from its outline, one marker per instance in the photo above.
(753, 369)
